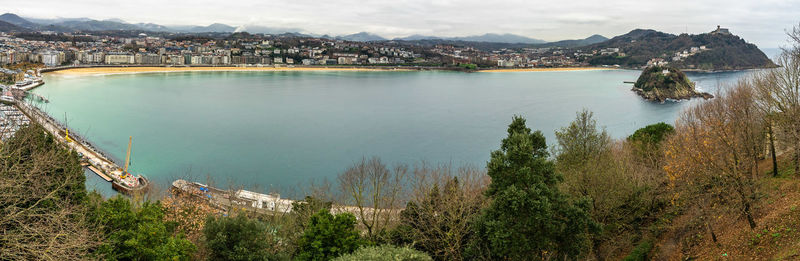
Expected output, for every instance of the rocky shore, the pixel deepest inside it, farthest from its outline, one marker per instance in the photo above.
(659, 83)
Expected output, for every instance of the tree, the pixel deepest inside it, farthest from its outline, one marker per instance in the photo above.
(529, 218)
(304, 210)
(437, 218)
(652, 134)
(42, 200)
(374, 191)
(596, 169)
(139, 232)
(778, 93)
(237, 238)
(328, 236)
(646, 142)
(713, 156)
(583, 153)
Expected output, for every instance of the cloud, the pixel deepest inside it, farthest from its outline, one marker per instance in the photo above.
(582, 18)
(762, 22)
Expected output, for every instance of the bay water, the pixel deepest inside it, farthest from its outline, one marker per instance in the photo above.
(276, 131)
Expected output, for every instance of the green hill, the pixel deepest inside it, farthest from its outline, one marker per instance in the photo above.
(658, 83)
(723, 51)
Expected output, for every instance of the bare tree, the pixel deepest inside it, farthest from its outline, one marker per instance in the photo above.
(779, 94)
(42, 200)
(372, 192)
(443, 204)
(714, 154)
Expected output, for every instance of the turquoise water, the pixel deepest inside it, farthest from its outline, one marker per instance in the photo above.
(276, 130)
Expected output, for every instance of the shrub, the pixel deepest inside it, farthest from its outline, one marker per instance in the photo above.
(640, 252)
(385, 253)
(139, 232)
(328, 236)
(236, 238)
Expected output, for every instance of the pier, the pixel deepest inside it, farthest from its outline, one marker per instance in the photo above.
(228, 200)
(99, 173)
(40, 97)
(98, 162)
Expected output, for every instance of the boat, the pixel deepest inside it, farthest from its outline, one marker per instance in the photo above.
(124, 181)
(23, 83)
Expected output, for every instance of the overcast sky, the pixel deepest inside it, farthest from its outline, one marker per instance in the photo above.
(762, 22)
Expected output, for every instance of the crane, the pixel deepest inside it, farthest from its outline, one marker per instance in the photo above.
(128, 156)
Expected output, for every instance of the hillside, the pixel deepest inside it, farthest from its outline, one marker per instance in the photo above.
(361, 37)
(723, 51)
(16, 20)
(8, 27)
(577, 42)
(488, 38)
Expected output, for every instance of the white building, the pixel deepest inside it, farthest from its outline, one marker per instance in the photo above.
(51, 59)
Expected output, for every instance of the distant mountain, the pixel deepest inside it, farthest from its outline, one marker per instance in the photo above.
(153, 27)
(212, 28)
(257, 29)
(361, 37)
(55, 20)
(578, 42)
(724, 51)
(489, 38)
(112, 24)
(115, 20)
(9, 27)
(417, 37)
(499, 38)
(215, 28)
(18, 21)
(94, 25)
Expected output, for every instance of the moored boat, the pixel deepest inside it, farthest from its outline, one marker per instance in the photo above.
(124, 181)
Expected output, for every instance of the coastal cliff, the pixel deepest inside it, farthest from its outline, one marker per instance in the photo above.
(659, 83)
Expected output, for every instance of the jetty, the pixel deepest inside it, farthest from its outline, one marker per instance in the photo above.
(231, 200)
(98, 172)
(98, 162)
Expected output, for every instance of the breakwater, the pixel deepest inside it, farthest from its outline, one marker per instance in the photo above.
(101, 164)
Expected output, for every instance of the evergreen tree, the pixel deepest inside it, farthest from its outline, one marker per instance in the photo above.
(529, 218)
(328, 236)
(236, 238)
(139, 232)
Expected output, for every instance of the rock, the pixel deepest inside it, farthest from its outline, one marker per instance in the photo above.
(659, 83)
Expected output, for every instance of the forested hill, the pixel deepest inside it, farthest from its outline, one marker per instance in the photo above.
(723, 51)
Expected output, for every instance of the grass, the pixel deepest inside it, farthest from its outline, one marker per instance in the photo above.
(641, 251)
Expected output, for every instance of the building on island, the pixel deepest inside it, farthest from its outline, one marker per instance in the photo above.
(722, 31)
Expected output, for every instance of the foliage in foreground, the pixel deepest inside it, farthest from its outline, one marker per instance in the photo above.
(42, 200)
(328, 236)
(237, 238)
(619, 177)
(529, 218)
(385, 253)
(139, 232)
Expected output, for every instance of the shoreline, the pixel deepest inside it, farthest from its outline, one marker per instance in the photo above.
(549, 69)
(110, 70)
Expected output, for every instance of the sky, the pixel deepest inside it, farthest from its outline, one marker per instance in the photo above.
(762, 22)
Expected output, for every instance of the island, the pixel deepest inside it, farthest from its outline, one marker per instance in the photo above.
(659, 83)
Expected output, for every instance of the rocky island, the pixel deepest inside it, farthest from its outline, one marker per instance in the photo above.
(659, 83)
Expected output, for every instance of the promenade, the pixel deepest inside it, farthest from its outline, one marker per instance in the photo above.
(100, 164)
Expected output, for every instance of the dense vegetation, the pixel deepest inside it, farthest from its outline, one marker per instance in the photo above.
(653, 77)
(725, 52)
(659, 83)
(703, 189)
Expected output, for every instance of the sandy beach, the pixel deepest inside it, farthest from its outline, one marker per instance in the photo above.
(557, 69)
(154, 69)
